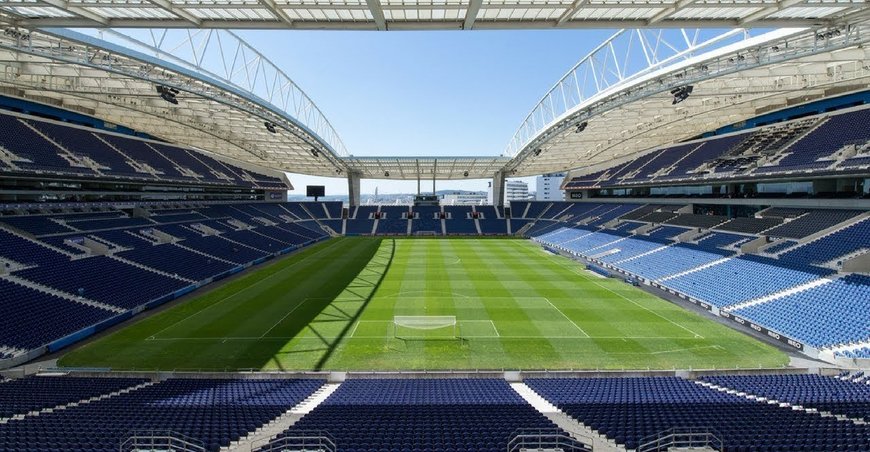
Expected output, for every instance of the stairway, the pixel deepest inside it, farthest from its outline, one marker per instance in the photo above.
(575, 428)
(266, 432)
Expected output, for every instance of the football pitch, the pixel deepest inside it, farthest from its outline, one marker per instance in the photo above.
(332, 305)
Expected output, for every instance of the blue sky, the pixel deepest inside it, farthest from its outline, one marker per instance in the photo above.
(424, 93)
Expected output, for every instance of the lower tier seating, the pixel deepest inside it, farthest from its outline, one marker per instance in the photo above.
(628, 410)
(829, 394)
(460, 415)
(213, 411)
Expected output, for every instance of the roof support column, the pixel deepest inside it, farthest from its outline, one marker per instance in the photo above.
(498, 189)
(353, 186)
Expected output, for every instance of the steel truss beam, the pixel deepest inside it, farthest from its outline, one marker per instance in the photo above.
(426, 15)
(629, 109)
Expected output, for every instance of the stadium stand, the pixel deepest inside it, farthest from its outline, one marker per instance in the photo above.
(800, 146)
(51, 147)
(812, 222)
(823, 393)
(830, 314)
(629, 410)
(71, 286)
(788, 287)
(213, 411)
(423, 414)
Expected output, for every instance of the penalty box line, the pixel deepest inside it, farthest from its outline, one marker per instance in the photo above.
(459, 322)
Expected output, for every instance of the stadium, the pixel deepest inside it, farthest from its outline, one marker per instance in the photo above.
(704, 283)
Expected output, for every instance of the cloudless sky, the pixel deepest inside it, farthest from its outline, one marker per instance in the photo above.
(423, 93)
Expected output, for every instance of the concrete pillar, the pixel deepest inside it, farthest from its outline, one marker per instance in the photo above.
(353, 180)
(498, 189)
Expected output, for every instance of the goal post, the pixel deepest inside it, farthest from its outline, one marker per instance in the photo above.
(425, 327)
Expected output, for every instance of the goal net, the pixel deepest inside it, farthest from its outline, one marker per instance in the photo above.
(425, 327)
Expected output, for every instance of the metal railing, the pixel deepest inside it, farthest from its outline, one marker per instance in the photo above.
(159, 440)
(681, 437)
(546, 439)
(302, 440)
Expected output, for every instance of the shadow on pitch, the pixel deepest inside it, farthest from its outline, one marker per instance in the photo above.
(325, 321)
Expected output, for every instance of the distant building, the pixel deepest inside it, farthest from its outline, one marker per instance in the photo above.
(464, 198)
(516, 190)
(548, 187)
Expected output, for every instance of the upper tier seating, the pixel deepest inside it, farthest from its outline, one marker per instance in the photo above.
(51, 147)
(850, 239)
(436, 415)
(630, 409)
(749, 225)
(33, 152)
(214, 411)
(697, 221)
(784, 148)
(823, 141)
(811, 223)
(782, 212)
(656, 217)
(721, 240)
(665, 232)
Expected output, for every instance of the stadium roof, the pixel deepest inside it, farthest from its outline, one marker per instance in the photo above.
(603, 112)
(424, 15)
(226, 93)
(411, 168)
(621, 92)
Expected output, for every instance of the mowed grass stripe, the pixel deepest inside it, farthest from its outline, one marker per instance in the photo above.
(331, 307)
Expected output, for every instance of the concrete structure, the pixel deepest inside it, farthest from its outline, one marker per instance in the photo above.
(516, 190)
(547, 187)
(464, 199)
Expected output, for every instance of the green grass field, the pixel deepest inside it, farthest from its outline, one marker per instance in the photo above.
(331, 307)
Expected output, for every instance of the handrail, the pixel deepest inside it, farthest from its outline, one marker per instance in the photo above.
(148, 440)
(307, 440)
(681, 437)
(544, 439)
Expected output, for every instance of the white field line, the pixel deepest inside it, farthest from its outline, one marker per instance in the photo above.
(353, 331)
(319, 338)
(566, 317)
(497, 334)
(279, 272)
(285, 316)
(570, 267)
(686, 349)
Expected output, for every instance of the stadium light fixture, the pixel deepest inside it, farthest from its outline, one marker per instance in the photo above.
(681, 93)
(168, 94)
